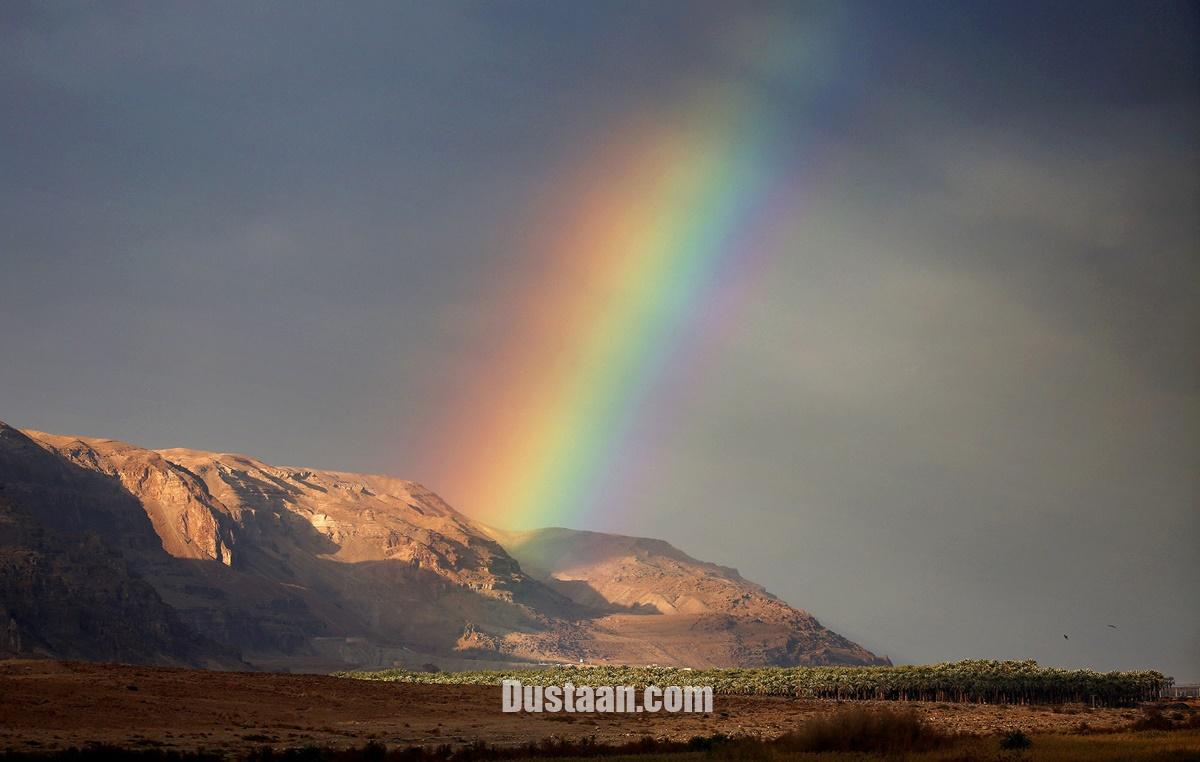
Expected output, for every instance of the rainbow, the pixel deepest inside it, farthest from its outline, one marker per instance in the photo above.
(653, 222)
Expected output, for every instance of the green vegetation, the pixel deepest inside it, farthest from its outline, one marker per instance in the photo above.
(992, 682)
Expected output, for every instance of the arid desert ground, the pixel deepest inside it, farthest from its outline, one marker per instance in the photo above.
(49, 705)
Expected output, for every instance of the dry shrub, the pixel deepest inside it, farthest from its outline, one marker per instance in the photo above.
(1015, 740)
(1153, 719)
(883, 731)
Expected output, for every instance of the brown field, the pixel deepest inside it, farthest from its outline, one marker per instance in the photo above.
(1178, 746)
(46, 705)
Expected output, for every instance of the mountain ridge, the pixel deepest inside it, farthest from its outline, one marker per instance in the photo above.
(308, 569)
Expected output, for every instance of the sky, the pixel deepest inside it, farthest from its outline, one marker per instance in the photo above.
(948, 400)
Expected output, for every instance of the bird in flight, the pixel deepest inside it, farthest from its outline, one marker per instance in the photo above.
(1113, 626)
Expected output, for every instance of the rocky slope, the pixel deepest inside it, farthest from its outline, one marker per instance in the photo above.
(297, 568)
(68, 586)
(658, 595)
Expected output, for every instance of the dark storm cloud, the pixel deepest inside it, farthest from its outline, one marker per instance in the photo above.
(965, 376)
(964, 401)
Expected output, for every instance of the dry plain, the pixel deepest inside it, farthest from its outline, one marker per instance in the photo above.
(47, 705)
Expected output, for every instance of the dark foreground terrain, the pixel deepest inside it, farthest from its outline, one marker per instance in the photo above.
(50, 705)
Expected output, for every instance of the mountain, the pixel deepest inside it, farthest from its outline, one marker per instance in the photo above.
(67, 584)
(217, 559)
(668, 607)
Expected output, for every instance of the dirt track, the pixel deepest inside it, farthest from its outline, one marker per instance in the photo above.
(49, 705)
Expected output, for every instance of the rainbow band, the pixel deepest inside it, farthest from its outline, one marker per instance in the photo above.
(665, 212)
(669, 267)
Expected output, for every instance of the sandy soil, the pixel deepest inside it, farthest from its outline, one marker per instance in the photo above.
(49, 705)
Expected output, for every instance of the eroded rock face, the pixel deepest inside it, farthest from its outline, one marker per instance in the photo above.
(188, 520)
(356, 518)
(67, 585)
(303, 568)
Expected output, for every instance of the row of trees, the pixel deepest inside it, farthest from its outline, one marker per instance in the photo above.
(991, 682)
